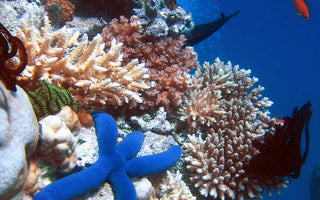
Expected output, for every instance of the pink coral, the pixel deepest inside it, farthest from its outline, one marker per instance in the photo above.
(168, 61)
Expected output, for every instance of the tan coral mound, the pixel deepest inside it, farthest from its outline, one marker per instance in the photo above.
(96, 78)
(215, 158)
(57, 142)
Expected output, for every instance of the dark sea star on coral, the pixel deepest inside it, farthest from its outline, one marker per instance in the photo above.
(11, 46)
(116, 164)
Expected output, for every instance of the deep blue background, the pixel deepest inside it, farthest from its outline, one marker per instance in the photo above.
(282, 50)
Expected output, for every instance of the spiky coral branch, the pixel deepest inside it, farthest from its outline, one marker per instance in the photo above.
(96, 78)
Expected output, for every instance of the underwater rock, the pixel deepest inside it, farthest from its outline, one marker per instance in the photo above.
(159, 124)
(158, 20)
(18, 139)
(144, 189)
(59, 11)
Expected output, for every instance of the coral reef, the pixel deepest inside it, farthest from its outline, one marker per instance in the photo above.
(95, 78)
(216, 157)
(57, 143)
(49, 99)
(10, 68)
(140, 63)
(169, 63)
(115, 164)
(280, 151)
(159, 18)
(18, 140)
(59, 11)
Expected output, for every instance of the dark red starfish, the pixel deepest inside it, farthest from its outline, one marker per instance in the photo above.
(10, 47)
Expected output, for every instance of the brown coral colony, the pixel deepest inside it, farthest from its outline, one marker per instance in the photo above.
(10, 47)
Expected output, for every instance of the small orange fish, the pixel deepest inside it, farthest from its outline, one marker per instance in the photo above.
(302, 8)
(278, 120)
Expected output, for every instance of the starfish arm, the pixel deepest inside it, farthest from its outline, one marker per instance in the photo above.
(131, 144)
(76, 184)
(146, 165)
(122, 187)
(107, 132)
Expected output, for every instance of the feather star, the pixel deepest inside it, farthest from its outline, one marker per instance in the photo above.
(116, 164)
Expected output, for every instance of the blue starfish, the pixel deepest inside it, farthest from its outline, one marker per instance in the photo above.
(116, 164)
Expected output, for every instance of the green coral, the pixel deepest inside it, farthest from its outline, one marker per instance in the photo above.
(48, 99)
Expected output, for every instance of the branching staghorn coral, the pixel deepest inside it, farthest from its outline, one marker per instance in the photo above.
(169, 63)
(95, 78)
(216, 157)
(201, 105)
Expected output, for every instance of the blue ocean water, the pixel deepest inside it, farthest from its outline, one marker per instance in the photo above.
(282, 49)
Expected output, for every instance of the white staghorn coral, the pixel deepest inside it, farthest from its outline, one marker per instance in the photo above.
(94, 77)
(215, 158)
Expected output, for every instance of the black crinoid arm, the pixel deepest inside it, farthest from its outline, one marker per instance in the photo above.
(10, 47)
(280, 153)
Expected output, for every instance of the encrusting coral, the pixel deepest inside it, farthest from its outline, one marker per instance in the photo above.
(57, 142)
(94, 77)
(115, 165)
(168, 62)
(215, 158)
